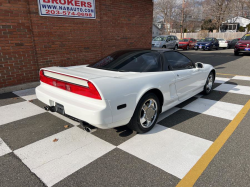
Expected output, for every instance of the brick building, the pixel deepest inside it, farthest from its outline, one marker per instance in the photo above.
(29, 41)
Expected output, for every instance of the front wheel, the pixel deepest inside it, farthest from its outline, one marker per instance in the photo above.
(146, 114)
(236, 53)
(175, 47)
(209, 84)
(187, 48)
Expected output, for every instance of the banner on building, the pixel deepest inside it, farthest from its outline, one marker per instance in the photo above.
(67, 8)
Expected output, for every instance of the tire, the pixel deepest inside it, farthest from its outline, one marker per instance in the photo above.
(187, 48)
(217, 48)
(136, 123)
(164, 46)
(175, 48)
(209, 84)
(236, 53)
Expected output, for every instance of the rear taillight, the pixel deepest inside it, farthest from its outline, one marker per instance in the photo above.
(89, 91)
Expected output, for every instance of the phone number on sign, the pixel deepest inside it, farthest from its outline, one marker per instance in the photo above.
(68, 13)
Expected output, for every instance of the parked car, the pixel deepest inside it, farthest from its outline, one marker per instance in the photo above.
(242, 46)
(166, 41)
(231, 44)
(127, 87)
(187, 43)
(222, 43)
(207, 44)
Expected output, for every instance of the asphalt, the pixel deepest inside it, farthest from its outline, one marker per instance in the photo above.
(224, 61)
(231, 166)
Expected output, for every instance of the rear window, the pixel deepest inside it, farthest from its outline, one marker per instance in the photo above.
(134, 61)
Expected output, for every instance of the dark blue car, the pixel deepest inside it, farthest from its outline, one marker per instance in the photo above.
(207, 44)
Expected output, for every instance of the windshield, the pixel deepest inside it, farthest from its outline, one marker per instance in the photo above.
(130, 60)
(184, 40)
(246, 37)
(206, 40)
(159, 38)
(221, 39)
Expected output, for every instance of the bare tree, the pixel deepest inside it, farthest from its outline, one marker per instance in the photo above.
(218, 10)
(167, 10)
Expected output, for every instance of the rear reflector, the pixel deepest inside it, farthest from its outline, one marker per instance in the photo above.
(76, 85)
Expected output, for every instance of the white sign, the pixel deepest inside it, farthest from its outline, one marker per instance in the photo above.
(67, 8)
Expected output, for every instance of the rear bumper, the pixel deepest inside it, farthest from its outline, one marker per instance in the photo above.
(95, 112)
(223, 45)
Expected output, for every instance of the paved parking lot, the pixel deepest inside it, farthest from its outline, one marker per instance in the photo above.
(39, 148)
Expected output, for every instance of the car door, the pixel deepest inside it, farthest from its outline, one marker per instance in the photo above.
(188, 78)
(173, 42)
(168, 42)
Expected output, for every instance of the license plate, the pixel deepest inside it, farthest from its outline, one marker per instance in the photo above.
(59, 108)
(200, 47)
(247, 49)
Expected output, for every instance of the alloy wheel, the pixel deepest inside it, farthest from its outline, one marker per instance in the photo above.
(148, 113)
(209, 83)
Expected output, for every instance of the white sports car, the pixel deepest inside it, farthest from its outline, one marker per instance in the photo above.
(130, 87)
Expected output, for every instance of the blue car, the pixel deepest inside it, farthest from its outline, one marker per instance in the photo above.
(207, 44)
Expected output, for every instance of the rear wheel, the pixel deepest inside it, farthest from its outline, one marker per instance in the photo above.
(209, 84)
(146, 114)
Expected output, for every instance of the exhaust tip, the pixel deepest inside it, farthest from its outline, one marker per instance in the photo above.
(87, 129)
(50, 108)
(46, 108)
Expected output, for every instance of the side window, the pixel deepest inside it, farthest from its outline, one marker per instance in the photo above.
(145, 62)
(178, 61)
(168, 38)
(172, 38)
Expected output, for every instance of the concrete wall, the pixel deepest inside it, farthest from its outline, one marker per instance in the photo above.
(30, 42)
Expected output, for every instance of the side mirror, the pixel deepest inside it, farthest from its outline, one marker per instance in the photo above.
(199, 65)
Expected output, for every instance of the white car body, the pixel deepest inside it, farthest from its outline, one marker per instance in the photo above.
(222, 43)
(119, 88)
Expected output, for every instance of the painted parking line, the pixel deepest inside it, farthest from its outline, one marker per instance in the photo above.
(214, 108)
(4, 148)
(192, 176)
(238, 77)
(179, 151)
(17, 111)
(221, 80)
(53, 161)
(232, 74)
(244, 90)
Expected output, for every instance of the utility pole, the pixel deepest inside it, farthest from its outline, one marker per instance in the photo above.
(182, 18)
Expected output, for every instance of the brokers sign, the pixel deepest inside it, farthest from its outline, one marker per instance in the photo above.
(67, 8)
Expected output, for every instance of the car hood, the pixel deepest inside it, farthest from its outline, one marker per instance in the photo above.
(244, 41)
(203, 43)
(183, 42)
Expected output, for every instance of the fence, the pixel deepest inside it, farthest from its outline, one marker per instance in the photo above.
(226, 35)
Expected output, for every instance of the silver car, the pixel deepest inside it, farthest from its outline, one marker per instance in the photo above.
(166, 41)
